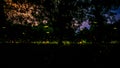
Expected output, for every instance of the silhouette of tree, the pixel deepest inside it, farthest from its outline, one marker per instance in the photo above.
(2, 20)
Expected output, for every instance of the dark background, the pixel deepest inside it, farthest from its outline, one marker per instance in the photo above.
(97, 55)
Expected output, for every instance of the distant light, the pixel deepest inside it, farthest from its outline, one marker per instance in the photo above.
(114, 42)
(45, 22)
(81, 29)
(47, 42)
(47, 32)
(66, 42)
(79, 42)
(84, 41)
(54, 42)
(46, 26)
(3, 27)
(17, 42)
(95, 22)
(114, 28)
(23, 33)
(43, 42)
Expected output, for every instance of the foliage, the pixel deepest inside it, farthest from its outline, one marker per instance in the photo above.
(71, 19)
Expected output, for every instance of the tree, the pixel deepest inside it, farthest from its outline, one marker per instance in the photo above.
(61, 12)
(99, 6)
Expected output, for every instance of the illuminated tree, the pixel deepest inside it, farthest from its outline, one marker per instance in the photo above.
(69, 18)
(24, 13)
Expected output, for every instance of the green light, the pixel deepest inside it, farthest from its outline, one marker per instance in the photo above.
(84, 41)
(80, 42)
(47, 42)
(114, 28)
(47, 32)
(43, 42)
(114, 42)
(81, 29)
(95, 22)
(46, 26)
(66, 42)
(54, 42)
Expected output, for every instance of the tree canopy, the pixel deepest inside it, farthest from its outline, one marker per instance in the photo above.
(64, 18)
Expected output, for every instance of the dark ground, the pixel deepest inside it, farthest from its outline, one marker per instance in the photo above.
(97, 55)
